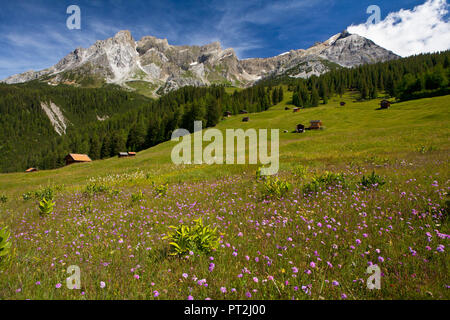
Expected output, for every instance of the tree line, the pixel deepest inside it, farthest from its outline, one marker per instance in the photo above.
(420, 76)
(128, 121)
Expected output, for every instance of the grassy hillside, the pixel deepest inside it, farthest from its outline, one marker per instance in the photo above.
(355, 133)
(110, 217)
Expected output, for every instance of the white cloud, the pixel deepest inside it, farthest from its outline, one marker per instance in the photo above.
(426, 28)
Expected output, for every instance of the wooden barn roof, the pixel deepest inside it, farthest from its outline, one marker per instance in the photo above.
(80, 157)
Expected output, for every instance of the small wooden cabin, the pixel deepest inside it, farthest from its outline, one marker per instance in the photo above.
(77, 158)
(315, 124)
(342, 104)
(127, 154)
(300, 128)
(287, 108)
(384, 104)
(296, 110)
(31, 170)
(227, 114)
(243, 112)
(246, 119)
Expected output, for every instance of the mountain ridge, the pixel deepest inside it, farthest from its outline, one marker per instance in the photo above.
(164, 67)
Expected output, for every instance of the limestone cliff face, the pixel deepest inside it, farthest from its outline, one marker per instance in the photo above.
(121, 59)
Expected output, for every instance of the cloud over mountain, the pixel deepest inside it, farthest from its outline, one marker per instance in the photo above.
(426, 28)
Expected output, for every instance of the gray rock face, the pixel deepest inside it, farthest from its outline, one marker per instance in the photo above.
(121, 59)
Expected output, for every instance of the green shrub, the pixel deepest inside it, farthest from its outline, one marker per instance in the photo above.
(47, 192)
(3, 199)
(199, 238)
(325, 180)
(372, 181)
(423, 149)
(300, 171)
(46, 206)
(161, 190)
(94, 188)
(86, 208)
(276, 187)
(114, 192)
(27, 196)
(259, 176)
(258, 173)
(135, 197)
(5, 244)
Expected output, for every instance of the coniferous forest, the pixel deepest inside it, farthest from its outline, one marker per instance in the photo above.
(102, 122)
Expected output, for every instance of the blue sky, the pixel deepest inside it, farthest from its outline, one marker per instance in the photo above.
(35, 36)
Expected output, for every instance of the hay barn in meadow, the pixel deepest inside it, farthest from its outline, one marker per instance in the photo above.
(77, 158)
(315, 125)
(300, 128)
(384, 104)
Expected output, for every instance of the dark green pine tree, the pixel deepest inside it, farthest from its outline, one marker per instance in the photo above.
(136, 137)
(275, 96)
(95, 147)
(105, 151)
(213, 113)
(373, 92)
(315, 98)
(296, 100)
(118, 143)
(280, 94)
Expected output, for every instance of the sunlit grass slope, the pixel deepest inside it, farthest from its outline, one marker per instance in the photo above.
(356, 132)
(110, 220)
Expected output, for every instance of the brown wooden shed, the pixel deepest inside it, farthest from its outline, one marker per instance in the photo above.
(300, 128)
(296, 109)
(246, 119)
(227, 114)
(385, 104)
(315, 124)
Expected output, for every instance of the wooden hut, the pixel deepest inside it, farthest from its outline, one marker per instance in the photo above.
(227, 114)
(243, 112)
(31, 170)
(77, 158)
(384, 104)
(246, 119)
(300, 128)
(296, 110)
(127, 154)
(315, 125)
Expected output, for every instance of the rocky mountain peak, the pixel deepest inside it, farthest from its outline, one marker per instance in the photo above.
(166, 67)
(124, 35)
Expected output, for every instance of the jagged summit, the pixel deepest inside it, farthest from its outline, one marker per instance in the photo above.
(166, 67)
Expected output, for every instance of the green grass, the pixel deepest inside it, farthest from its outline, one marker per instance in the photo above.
(113, 235)
(355, 133)
(143, 87)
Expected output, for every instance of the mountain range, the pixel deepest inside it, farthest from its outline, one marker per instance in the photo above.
(154, 66)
